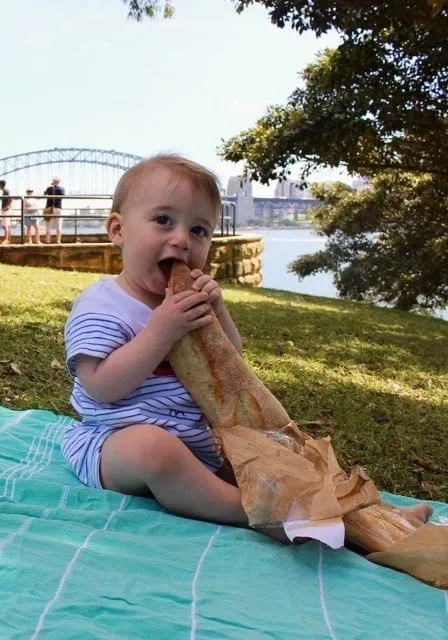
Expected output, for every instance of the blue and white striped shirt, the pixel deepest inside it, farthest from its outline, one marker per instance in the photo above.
(103, 318)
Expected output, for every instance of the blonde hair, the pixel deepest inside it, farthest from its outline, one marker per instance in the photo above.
(205, 181)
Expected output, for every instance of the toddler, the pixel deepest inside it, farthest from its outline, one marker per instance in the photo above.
(140, 431)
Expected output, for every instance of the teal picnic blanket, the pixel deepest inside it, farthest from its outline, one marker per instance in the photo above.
(90, 564)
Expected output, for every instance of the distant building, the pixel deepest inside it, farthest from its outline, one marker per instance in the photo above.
(237, 186)
(268, 209)
(292, 204)
(240, 192)
(288, 189)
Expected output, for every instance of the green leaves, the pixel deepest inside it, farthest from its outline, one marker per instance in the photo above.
(140, 9)
(388, 243)
(378, 105)
(377, 101)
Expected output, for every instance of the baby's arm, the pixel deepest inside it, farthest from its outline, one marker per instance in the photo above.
(206, 283)
(123, 370)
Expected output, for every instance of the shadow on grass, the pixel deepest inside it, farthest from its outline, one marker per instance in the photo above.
(382, 431)
(342, 333)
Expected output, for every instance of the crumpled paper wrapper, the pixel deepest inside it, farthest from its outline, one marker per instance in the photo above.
(284, 474)
(301, 482)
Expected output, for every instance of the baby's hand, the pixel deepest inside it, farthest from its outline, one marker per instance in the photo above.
(181, 313)
(206, 284)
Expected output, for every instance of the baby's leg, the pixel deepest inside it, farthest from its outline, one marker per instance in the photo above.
(144, 458)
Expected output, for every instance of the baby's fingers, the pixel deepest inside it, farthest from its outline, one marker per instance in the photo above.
(215, 294)
(197, 311)
(182, 295)
(192, 300)
(210, 285)
(203, 321)
(201, 281)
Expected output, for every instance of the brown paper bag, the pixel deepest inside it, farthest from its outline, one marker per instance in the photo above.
(281, 470)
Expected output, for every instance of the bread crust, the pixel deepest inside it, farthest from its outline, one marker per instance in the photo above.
(215, 374)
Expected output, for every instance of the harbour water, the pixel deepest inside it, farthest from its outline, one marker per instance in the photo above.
(281, 246)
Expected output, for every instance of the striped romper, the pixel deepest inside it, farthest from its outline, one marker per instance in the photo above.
(103, 318)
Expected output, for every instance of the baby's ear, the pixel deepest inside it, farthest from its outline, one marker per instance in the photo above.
(113, 228)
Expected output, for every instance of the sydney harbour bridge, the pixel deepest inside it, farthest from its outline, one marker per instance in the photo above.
(89, 177)
(82, 171)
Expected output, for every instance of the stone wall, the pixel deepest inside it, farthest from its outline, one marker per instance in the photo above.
(236, 259)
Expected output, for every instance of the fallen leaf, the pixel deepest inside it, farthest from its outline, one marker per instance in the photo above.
(311, 423)
(55, 364)
(427, 464)
(15, 368)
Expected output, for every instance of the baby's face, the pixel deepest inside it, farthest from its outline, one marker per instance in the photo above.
(164, 218)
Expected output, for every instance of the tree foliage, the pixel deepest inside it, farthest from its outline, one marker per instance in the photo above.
(377, 101)
(378, 106)
(387, 243)
(140, 9)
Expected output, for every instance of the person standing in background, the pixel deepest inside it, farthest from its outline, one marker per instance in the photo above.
(52, 211)
(6, 207)
(30, 218)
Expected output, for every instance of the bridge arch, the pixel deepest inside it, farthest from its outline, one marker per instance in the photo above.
(105, 157)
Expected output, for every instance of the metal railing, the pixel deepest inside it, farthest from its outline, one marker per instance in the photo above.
(228, 218)
(226, 225)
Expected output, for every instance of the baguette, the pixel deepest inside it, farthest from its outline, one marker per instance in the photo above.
(284, 472)
(292, 471)
(217, 377)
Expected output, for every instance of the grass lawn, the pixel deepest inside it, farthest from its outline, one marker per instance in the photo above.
(375, 380)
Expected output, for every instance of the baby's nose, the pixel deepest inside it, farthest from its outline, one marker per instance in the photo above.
(181, 237)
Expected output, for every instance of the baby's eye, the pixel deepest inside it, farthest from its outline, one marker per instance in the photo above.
(199, 230)
(162, 219)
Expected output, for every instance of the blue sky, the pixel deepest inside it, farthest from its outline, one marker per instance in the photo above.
(78, 73)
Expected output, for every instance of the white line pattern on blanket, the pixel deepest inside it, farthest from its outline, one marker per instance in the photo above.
(47, 454)
(61, 504)
(13, 423)
(322, 593)
(70, 566)
(64, 496)
(51, 434)
(32, 448)
(51, 429)
(12, 536)
(49, 437)
(194, 599)
(21, 530)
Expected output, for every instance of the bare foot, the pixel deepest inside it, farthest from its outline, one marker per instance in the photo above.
(5, 242)
(420, 511)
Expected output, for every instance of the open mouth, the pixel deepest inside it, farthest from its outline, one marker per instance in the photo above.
(166, 266)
